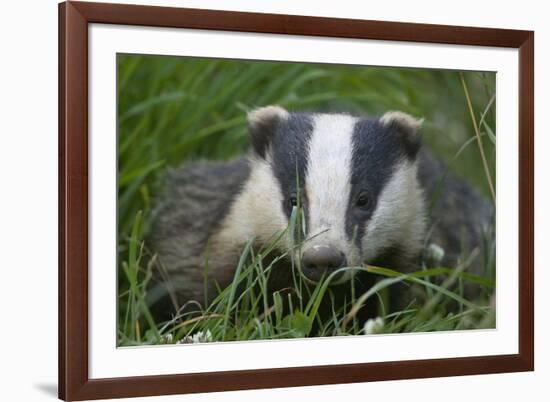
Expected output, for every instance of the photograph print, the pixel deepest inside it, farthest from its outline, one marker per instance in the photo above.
(274, 200)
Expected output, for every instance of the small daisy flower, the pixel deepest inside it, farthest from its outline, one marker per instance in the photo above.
(199, 337)
(374, 326)
(435, 253)
(166, 339)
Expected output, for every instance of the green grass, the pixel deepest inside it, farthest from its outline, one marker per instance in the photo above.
(253, 313)
(172, 110)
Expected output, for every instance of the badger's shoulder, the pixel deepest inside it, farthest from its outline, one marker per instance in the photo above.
(196, 197)
(458, 213)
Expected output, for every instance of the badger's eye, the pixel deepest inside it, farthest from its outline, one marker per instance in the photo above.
(363, 201)
(293, 201)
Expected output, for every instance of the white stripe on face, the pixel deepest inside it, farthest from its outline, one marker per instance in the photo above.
(328, 179)
(399, 215)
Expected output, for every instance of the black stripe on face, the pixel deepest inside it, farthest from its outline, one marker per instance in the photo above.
(289, 150)
(377, 151)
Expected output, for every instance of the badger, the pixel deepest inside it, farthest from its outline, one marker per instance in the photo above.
(365, 186)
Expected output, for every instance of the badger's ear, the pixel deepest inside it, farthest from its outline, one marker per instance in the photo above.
(262, 124)
(406, 127)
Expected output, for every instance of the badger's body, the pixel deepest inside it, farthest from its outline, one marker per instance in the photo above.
(366, 188)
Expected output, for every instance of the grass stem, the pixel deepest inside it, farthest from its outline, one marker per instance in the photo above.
(478, 136)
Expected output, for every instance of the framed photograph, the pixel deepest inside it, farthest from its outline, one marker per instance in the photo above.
(260, 200)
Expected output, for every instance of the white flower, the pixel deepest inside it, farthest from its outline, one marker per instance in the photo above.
(199, 337)
(374, 326)
(166, 338)
(435, 252)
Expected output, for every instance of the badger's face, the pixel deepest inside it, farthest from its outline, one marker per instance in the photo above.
(355, 179)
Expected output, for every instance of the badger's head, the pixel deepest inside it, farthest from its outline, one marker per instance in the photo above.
(356, 179)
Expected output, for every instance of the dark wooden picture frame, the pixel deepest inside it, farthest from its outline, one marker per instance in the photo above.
(74, 381)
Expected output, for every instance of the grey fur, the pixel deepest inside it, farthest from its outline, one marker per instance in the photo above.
(460, 216)
(196, 199)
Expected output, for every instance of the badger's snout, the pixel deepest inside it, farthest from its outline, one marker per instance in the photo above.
(321, 259)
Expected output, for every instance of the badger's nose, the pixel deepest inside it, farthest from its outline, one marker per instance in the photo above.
(321, 259)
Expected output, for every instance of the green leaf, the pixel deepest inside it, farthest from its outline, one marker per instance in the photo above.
(151, 102)
(490, 132)
(139, 172)
(301, 324)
